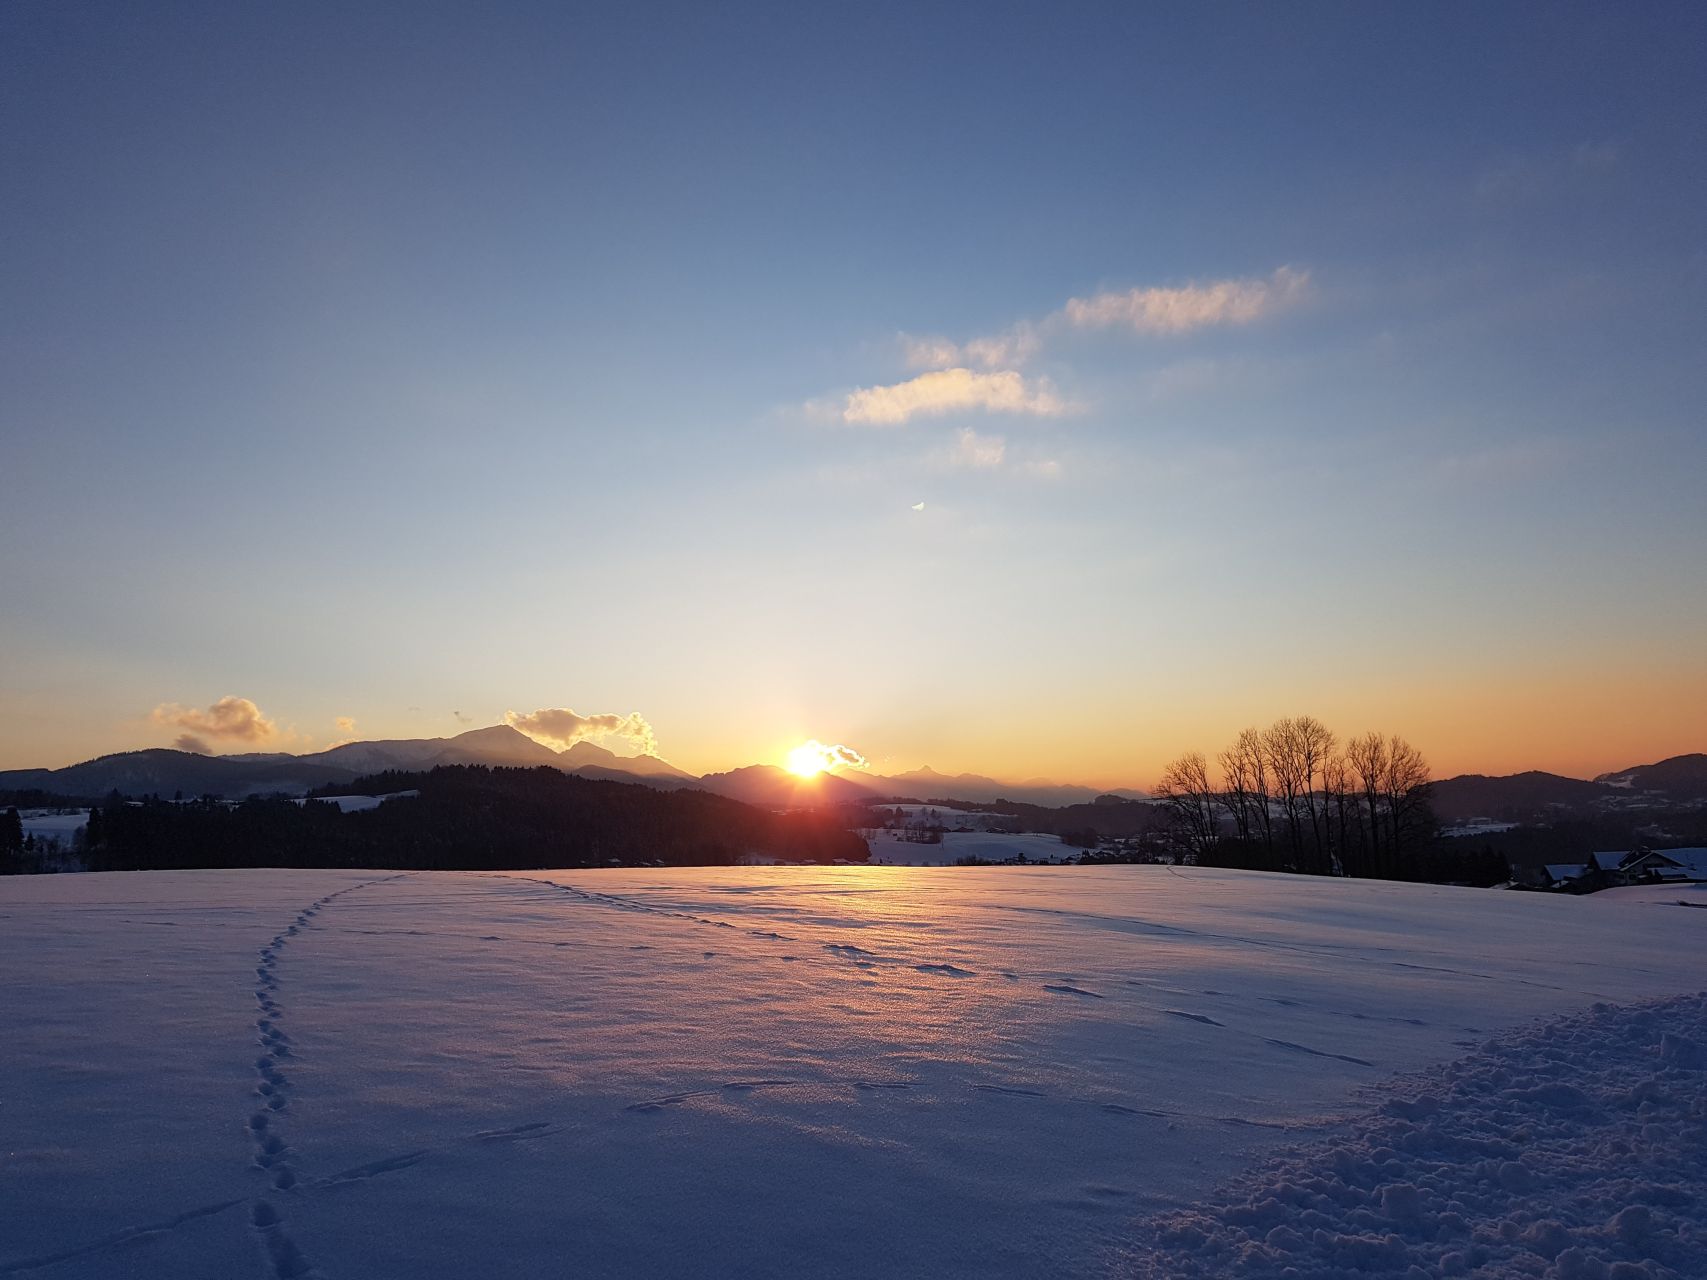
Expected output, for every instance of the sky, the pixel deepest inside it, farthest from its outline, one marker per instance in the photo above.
(1034, 390)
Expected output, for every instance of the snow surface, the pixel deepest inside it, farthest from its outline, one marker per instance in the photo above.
(358, 804)
(61, 825)
(888, 849)
(1577, 1149)
(973, 819)
(840, 1071)
(1478, 827)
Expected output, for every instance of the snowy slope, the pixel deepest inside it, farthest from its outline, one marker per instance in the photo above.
(731, 1071)
(888, 849)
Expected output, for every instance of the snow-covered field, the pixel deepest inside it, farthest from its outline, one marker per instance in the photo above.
(888, 849)
(842, 1071)
(937, 815)
(53, 824)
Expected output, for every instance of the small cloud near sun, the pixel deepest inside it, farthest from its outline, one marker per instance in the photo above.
(918, 506)
(812, 757)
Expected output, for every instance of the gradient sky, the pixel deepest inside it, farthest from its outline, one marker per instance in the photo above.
(415, 364)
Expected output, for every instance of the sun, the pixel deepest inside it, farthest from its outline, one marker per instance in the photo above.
(808, 760)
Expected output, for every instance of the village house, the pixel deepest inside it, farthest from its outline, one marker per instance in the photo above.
(1628, 866)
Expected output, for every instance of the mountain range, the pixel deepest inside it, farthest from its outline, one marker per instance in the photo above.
(1520, 797)
(162, 771)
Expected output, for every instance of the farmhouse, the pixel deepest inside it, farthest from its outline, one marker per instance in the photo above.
(1628, 866)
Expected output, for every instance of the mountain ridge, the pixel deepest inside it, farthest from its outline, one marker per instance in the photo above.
(1524, 796)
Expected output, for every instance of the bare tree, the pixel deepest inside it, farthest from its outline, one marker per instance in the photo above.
(1238, 787)
(1407, 785)
(1250, 748)
(1283, 753)
(1314, 743)
(1367, 757)
(1354, 811)
(1190, 799)
(1339, 803)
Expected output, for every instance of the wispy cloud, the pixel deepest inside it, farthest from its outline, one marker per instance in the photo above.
(1184, 308)
(230, 719)
(346, 724)
(980, 451)
(974, 450)
(998, 351)
(951, 391)
(1544, 175)
(983, 374)
(1157, 310)
(560, 727)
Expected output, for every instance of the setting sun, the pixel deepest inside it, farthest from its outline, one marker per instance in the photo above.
(812, 757)
(809, 759)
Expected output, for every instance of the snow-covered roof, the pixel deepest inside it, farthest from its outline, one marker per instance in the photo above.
(1565, 870)
(1691, 860)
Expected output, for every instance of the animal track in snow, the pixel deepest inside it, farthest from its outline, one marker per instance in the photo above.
(125, 1239)
(272, 1155)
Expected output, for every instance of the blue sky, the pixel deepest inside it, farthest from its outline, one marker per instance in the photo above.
(389, 363)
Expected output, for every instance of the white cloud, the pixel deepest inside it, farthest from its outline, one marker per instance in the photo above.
(346, 724)
(949, 391)
(234, 719)
(974, 450)
(561, 727)
(1177, 310)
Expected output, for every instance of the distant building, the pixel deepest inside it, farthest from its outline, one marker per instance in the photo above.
(1615, 868)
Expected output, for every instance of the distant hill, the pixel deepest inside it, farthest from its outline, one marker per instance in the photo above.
(769, 787)
(584, 756)
(1679, 781)
(1517, 797)
(498, 745)
(1680, 777)
(165, 772)
(927, 784)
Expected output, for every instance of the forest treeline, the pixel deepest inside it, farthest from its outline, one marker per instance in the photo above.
(1293, 797)
(463, 817)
